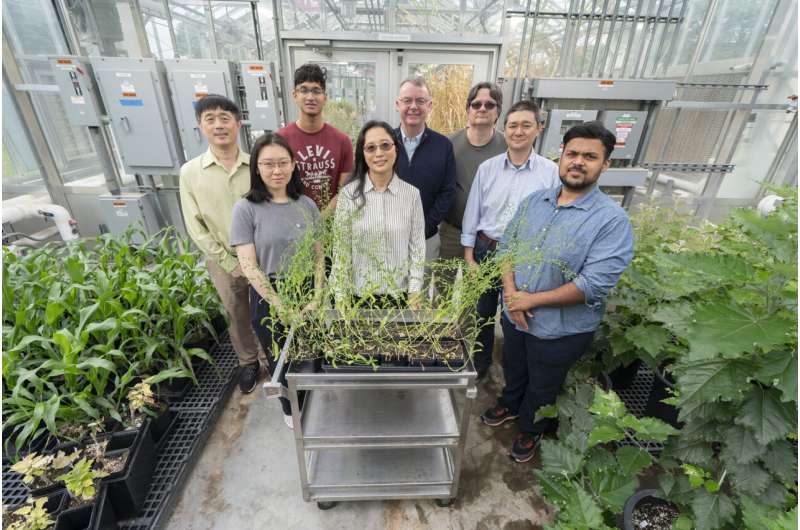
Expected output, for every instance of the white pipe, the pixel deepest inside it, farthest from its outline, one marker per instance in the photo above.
(51, 212)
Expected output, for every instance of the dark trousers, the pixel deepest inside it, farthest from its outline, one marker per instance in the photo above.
(487, 309)
(535, 370)
(271, 334)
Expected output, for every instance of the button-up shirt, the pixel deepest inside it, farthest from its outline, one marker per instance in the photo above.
(411, 142)
(588, 242)
(498, 189)
(380, 247)
(208, 192)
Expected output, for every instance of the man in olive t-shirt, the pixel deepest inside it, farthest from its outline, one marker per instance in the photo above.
(472, 146)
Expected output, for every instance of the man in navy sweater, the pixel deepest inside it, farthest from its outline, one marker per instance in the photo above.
(426, 160)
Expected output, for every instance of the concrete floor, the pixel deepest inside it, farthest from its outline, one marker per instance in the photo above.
(247, 478)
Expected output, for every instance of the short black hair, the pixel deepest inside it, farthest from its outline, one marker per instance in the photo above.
(258, 190)
(310, 73)
(594, 130)
(523, 105)
(216, 101)
(494, 92)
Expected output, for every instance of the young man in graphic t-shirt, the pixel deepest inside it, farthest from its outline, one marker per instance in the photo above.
(323, 153)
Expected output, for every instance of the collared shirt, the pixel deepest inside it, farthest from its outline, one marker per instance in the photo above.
(588, 242)
(380, 247)
(498, 189)
(208, 192)
(411, 142)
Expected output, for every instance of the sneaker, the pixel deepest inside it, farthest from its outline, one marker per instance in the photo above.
(287, 419)
(524, 446)
(248, 377)
(497, 415)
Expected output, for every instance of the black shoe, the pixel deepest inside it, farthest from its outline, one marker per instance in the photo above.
(497, 415)
(248, 377)
(524, 446)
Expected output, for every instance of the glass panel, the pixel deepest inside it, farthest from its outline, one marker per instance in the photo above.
(156, 25)
(449, 84)
(20, 171)
(266, 22)
(106, 27)
(234, 30)
(736, 29)
(32, 27)
(440, 17)
(192, 26)
(351, 95)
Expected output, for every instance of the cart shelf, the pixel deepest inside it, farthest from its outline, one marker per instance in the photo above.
(416, 417)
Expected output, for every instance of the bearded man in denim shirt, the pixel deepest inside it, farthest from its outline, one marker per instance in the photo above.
(565, 249)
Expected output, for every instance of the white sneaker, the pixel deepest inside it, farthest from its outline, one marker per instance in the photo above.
(287, 419)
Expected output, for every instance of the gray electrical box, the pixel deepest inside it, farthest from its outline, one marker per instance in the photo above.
(260, 95)
(135, 95)
(77, 91)
(190, 80)
(119, 212)
(627, 126)
(559, 121)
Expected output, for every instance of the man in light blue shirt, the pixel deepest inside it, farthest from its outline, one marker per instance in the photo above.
(501, 182)
(565, 249)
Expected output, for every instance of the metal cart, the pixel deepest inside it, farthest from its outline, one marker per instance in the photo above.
(378, 434)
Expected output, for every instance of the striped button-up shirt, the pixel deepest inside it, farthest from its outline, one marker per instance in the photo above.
(380, 247)
(498, 189)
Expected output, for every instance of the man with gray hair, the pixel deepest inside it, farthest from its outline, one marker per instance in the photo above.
(426, 160)
(472, 145)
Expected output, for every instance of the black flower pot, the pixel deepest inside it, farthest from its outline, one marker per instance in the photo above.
(641, 497)
(173, 390)
(56, 502)
(127, 488)
(161, 426)
(97, 515)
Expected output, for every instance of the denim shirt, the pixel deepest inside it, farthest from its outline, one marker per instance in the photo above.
(588, 242)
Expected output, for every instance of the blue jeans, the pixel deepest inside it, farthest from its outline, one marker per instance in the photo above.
(535, 370)
(486, 309)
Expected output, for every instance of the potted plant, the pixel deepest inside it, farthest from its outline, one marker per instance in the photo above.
(88, 505)
(41, 472)
(35, 514)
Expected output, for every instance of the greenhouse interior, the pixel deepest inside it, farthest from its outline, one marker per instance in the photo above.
(401, 264)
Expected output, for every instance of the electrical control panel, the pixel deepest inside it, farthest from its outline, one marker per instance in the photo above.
(627, 126)
(559, 121)
(260, 95)
(189, 81)
(135, 95)
(78, 94)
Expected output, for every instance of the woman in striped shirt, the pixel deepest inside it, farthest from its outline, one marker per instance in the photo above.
(379, 234)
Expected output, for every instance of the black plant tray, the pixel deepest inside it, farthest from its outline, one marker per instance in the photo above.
(182, 438)
(98, 515)
(635, 397)
(412, 366)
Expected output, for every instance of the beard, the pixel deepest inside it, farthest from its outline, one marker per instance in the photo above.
(585, 182)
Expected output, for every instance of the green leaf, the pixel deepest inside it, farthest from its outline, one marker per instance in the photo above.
(53, 312)
(683, 522)
(706, 381)
(651, 338)
(712, 510)
(740, 446)
(557, 458)
(750, 479)
(728, 330)
(605, 432)
(554, 487)
(607, 404)
(781, 460)
(547, 411)
(648, 428)
(632, 460)
(769, 418)
(779, 368)
(96, 362)
(676, 317)
(582, 511)
(758, 516)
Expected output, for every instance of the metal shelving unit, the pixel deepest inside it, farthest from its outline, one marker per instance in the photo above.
(378, 435)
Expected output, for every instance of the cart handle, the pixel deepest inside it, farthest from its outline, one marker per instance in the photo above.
(273, 388)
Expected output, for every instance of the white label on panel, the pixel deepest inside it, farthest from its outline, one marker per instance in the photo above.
(262, 104)
(197, 76)
(123, 74)
(121, 212)
(78, 100)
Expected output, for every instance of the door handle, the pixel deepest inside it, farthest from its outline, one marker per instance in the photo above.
(197, 134)
(126, 124)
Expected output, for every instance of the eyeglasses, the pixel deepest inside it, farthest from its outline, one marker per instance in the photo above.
(384, 146)
(306, 91)
(406, 102)
(270, 165)
(488, 105)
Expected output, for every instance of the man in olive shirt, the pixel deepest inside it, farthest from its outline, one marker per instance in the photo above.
(209, 186)
(478, 142)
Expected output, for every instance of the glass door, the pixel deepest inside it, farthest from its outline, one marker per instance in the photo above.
(357, 86)
(449, 75)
